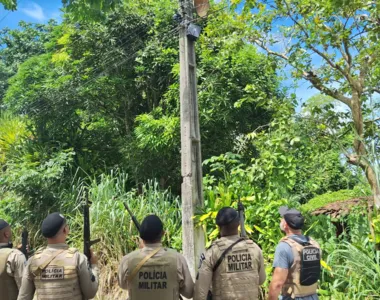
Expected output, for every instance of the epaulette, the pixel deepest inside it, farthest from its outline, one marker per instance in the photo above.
(72, 250)
(212, 244)
(38, 252)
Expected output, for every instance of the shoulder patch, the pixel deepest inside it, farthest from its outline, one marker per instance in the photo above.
(201, 259)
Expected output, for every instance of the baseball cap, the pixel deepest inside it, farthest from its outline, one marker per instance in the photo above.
(3, 224)
(52, 224)
(293, 217)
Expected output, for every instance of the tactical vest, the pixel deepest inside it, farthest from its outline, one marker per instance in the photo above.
(156, 279)
(237, 277)
(59, 280)
(304, 273)
(8, 286)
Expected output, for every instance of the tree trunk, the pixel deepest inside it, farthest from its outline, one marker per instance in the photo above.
(361, 151)
(361, 160)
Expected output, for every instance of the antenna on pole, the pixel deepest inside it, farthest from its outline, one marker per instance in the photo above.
(202, 7)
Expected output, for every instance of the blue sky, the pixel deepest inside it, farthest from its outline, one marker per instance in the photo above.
(40, 11)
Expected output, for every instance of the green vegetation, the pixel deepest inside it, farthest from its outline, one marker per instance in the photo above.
(94, 102)
(332, 197)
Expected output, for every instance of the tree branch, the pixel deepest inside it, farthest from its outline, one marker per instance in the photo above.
(354, 159)
(346, 74)
(314, 80)
(348, 53)
(365, 68)
(262, 46)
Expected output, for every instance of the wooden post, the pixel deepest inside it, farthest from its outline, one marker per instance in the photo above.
(191, 161)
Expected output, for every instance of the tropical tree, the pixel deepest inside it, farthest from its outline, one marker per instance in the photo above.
(332, 45)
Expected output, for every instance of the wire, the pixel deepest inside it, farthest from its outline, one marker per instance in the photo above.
(42, 107)
(7, 14)
(107, 61)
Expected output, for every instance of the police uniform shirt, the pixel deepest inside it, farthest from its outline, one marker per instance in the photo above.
(15, 264)
(205, 275)
(186, 284)
(88, 277)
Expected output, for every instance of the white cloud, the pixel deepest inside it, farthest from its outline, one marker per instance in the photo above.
(34, 11)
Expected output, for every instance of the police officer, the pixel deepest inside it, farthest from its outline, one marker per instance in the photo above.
(59, 272)
(296, 261)
(233, 265)
(12, 263)
(155, 272)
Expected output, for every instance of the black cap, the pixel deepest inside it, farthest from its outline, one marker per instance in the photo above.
(151, 228)
(292, 216)
(52, 224)
(226, 216)
(3, 224)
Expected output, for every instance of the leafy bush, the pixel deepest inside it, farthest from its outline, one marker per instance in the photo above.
(332, 197)
(36, 176)
(12, 130)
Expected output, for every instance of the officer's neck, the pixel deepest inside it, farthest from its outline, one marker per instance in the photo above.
(293, 232)
(229, 233)
(56, 241)
(147, 243)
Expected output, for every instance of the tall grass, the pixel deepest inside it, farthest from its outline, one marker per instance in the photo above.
(356, 270)
(113, 225)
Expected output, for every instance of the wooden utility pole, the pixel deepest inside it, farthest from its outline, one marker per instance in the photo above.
(191, 161)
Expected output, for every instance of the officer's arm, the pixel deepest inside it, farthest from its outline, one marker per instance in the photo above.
(15, 266)
(27, 287)
(204, 277)
(262, 274)
(186, 283)
(88, 277)
(279, 277)
(122, 276)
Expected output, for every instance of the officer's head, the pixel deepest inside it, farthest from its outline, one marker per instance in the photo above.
(55, 228)
(5, 232)
(228, 221)
(151, 230)
(292, 220)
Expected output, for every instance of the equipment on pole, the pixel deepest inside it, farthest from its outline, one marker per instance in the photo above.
(202, 7)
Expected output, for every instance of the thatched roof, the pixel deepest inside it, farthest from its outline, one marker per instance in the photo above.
(342, 208)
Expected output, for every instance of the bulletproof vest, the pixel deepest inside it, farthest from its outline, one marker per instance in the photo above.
(237, 277)
(304, 273)
(156, 279)
(59, 280)
(8, 286)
